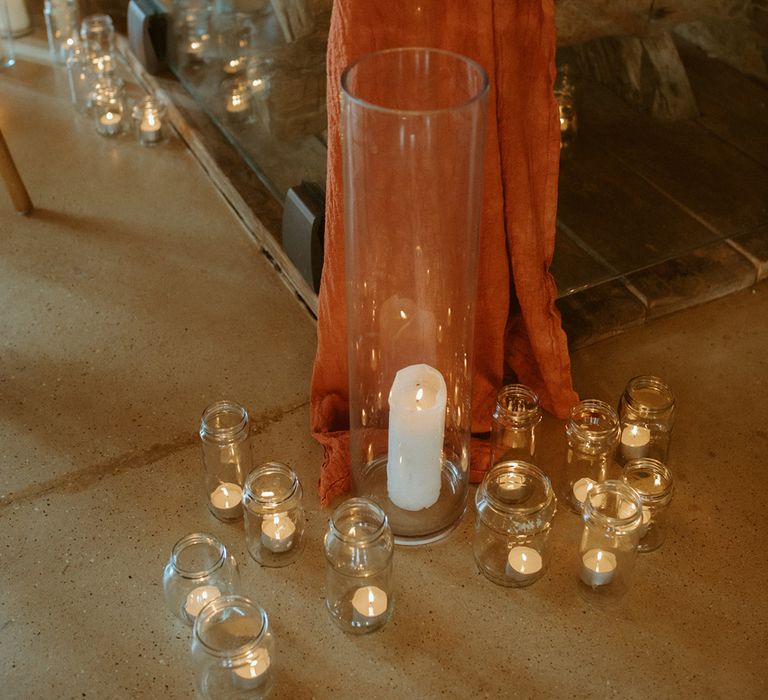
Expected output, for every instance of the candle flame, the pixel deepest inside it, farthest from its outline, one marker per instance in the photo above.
(419, 394)
(403, 315)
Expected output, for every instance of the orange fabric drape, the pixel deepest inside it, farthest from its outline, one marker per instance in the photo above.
(515, 42)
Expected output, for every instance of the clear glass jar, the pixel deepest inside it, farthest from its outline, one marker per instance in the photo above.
(612, 516)
(98, 33)
(237, 40)
(592, 433)
(274, 514)
(194, 34)
(358, 554)
(233, 649)
(514, 509)
(226, 443)
(109, 109)
(102, 65)
(150, 122)
(79, 75)
(413, 122)
(647, 415)
(514, 424)
(198, 571)
(653, 483)
(238, 105)
(61, 25)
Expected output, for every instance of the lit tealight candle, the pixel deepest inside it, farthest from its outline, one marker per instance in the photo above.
(597, 567)
(635, 440)
(513, 487)
(581, 488)
(523, 564)
(627, 510)
(369, 603)
(253, 673)
(227, 501)
(195, 49)
(277, 532)
(233, 66)
(110, 123)
(237, 103)
(198, 598)
(149, 128)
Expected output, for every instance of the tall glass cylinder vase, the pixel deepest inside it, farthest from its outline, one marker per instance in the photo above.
(413, 124)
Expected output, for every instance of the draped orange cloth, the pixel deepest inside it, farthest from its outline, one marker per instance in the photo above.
(517, 322)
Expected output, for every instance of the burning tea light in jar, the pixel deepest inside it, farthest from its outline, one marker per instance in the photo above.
(523, 563)
(227, 501)
(149, 128)
(252, 674)
(635, 440)
(597, 567)
(110, 123)
(277, 532)
(198, 598)
(237, 102)
(368, 604)
(513, 487)
(581, 488)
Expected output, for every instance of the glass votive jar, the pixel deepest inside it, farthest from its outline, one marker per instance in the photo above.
(109, 110)
(358, 553)
(198, 571)
(98, 33)
(237, 36)
(149, 120)
(233, 650)
(61, 26)
(274, 514)
(612, 516)
(592, 432)
(514, 424)
(647, 415)
(514, 509)
(238, 105)
(226, 445)
(654, 485)
(194, 34)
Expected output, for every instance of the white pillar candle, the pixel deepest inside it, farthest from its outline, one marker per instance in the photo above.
(18, 18)
(227, 501)
(417, 403)
(277, 532)
(110, 123)
(253, 673)
(523, 563)
(368, 604)
(198, 598)
(597, 567)
(581, 488)
(635, 440)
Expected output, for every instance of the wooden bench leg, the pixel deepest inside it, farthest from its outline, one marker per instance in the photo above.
(19, 194)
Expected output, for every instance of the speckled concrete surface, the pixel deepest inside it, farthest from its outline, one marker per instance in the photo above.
(133, 298)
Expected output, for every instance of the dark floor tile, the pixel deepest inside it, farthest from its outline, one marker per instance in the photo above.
(599, 312)
(754, 246)
(697, 277)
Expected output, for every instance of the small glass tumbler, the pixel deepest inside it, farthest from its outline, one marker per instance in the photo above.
(61, 25)
(514, 509)
(149, 120)
(592, 432)
(514, 424)
(653, 483)
(612, 518)
(198, 571)
(226, 444)
(98, 33)
(358, 553)
(237, 100)
(647, 415)
(109, 110)
(7, 52)
(233, 649)
(274, 514)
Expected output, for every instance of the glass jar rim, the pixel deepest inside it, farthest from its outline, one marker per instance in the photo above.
(530, 471)
(192, 539)
(658, 469)
(591, 512)
(352, 504)
(595, 405)
(649, 381)
(526, 412)
(223, 434)
(213, 609)
(467, 62)
(252, 494)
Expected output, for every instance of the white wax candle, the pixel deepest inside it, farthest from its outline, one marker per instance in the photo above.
(634, 442)
(368, 604)
(523, 563)
(627, 510)
(252, 674)
(237, 103)
(512, 487)
(198, 598)
(277, 532)
(149, 128)
(417, 403)
(227, 501)
(581, 488)
(598, 567)
(109, 123)
(18, 18)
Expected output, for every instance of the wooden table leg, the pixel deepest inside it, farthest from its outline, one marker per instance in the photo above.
(19, 194)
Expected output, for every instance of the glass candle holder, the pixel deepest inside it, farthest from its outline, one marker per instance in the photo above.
(654, 485)
(413, 127)
(612, 516)
(358, 554)
(647, 415)
(198, 571)
(109, 110)
(61, 26)
(7, 51)
(226, 445)
(98, 33)
(194, 34)
(102, 65)
(238, 105)
(79, 75)
(233, 650)
(274, 514)
(565, 95)
(514, 509)
(513, 427)
(150, 122)
(237, 41)
(592, 433)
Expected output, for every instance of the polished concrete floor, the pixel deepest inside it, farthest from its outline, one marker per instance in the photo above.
(133, 297)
